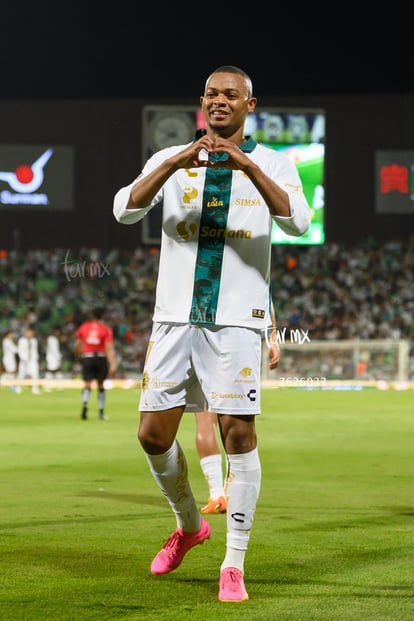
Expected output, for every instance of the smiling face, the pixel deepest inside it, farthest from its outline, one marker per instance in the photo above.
(226, 102)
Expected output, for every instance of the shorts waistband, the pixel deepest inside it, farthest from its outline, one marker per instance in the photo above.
(96, 354)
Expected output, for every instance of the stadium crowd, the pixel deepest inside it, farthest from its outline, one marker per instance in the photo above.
(333, 291)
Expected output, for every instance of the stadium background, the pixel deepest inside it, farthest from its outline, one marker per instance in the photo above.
(83, 79)
(107, 139)
(333, 538)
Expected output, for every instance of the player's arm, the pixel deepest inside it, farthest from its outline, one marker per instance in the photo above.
(110, 353)
(285, 198)
(274, 350)
(294, 221)
(78, 348)
(276, 198)
(147, 186)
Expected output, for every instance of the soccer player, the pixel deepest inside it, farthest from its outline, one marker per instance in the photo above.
(28, 352)
(95, 349)
(9, 360)
(212, 302)
(207, 441)
(53, 360)
(209, 453)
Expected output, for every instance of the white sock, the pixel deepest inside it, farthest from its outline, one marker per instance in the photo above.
(101, 399)
(85, 395)
(35, 385)
(213, 473)
(170, 471)
(242, 490)
(48, 380)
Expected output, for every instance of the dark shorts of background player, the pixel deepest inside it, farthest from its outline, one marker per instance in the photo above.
(94, 367)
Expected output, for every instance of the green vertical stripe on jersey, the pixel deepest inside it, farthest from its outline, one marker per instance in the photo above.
(213, 222)
(211, 240)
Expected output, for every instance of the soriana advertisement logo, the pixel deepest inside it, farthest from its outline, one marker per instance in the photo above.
(36, 176)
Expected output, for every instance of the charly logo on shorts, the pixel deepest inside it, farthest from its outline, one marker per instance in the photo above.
(251, 395)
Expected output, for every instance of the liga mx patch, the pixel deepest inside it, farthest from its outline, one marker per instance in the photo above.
(258, 313)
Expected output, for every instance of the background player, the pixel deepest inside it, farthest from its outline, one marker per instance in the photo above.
(9, 360)
(207, 439)
(95, 349)
(28, 352)
(53, 361)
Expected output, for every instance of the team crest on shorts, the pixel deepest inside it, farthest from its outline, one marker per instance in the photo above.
(246, 372)
(145, 381)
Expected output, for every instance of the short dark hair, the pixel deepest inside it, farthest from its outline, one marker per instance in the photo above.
(98, 312)
(234, 69)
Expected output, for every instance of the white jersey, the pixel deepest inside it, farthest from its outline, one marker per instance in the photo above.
(53, 355)
(28, 350)
(9, 355)
(216, 238)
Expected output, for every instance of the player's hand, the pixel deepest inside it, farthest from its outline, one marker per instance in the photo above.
(197, 155)
(192, 156)
(274, 356)
(236, 159)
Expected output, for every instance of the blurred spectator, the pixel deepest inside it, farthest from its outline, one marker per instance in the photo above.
(334, 291)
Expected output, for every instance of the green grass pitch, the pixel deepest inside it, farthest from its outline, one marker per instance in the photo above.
(81, 517)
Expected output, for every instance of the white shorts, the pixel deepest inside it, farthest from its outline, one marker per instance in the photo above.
(10, 364)
(52, 363)
(28, 369)
(194, 366)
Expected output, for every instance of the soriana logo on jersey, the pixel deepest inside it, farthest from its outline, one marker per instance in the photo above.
(36, 176)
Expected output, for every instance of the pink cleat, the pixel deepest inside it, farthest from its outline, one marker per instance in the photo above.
(232, 587)
(177, 546)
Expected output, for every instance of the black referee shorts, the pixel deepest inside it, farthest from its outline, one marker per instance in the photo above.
(94, 367)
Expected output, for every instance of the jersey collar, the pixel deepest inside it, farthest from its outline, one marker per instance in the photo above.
(249, 145)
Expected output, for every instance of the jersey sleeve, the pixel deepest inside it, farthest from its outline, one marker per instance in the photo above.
(121, 213)
(287, 177)
(130, 216)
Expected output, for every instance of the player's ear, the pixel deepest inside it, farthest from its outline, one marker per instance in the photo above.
(251, 104)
